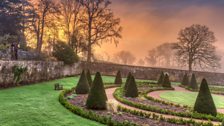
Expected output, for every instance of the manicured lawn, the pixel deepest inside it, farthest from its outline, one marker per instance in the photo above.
(188, 98)
(37, 105)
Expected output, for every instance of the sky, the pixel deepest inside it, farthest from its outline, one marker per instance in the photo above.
(149, 23)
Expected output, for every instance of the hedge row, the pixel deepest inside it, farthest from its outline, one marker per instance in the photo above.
(161, 118)
(90, 114)
(118, 95)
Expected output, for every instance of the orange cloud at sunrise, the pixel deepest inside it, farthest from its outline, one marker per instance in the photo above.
(149, 23)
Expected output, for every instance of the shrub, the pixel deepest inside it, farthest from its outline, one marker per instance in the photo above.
(97, 96)
(161, 78)
(222, 123)
(127, 81)
(204, 102)
(65, 53)
(18, 72)
(89, 78)
(132, 90)
(83, 85)
(185, 80)
(166, 81)
(118, 79)
(193, 85)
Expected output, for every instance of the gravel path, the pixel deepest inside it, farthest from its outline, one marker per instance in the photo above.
(111, 99)
(156, 94)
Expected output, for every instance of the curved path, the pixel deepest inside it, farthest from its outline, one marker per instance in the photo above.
(111, 99)
(156, 94)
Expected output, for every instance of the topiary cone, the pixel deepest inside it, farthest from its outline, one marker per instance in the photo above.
(89, 78)
(132, 90)
(118, 79)
(166, 82)
(193, 84)
(185, 80)
(97, 96)
(83, 85)
(127, 81)
(161, 78)
(204, 102)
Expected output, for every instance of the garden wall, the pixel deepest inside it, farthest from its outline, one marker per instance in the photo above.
(43, 71)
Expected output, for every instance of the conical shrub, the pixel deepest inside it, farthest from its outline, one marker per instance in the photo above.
(127, 81)
(161, 78)
(97, 96)
(83, 85)
(132, 90)
(185, 80)
(204, 102)
(118, 79)
(193, 84)
(166, 82)
(89, 78)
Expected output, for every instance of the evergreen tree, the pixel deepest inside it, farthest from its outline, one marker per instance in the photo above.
(118, 79)
(161, 78)
(204, 102)
(127, 81)
(132, 90)
(97, 96)
(166, 82)
(83, 85)
(193, 85)
(185, 80)
(89, 78)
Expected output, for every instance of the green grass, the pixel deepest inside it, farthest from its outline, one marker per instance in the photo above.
(37, 105)
(188, 98)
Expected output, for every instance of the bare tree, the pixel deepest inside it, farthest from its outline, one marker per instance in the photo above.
(195, 47)
(125, 57)
(42, 9)
(99, 24)
(71, 15)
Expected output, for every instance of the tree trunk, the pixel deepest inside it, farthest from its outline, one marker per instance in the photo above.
(89, 53)
(190, 66)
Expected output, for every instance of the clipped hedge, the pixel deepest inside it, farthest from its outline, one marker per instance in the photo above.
(118, 96)
(90, 114)
(161, 118)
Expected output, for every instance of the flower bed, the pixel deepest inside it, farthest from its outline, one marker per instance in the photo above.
(118, 95)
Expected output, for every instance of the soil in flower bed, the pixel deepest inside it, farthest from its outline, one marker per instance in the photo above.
(158, 105)
(120, 116)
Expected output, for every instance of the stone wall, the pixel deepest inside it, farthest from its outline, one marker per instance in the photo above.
(43, 71)
(153, 73)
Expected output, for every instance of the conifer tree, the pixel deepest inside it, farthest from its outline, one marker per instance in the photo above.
(127, 81)
(185, 80)
(97, 96)
(193, 85)
(204, 102)
(118, 79)
(166, 82)
(83, 85)
(132, 90)
(89, 78)
(161, 78)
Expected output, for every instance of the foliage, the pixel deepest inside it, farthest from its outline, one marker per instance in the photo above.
(185, 80)
(161, 78)
(63, 52)
(127, 81)
(118, 79)
(89, 77)
(97, 96)
(18, 72)
(193, 85)
(83, 85)
(132, 90)
(204, 102)
(166, 81)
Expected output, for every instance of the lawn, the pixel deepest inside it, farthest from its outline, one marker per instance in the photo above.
(188, 98)
(37, 105)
